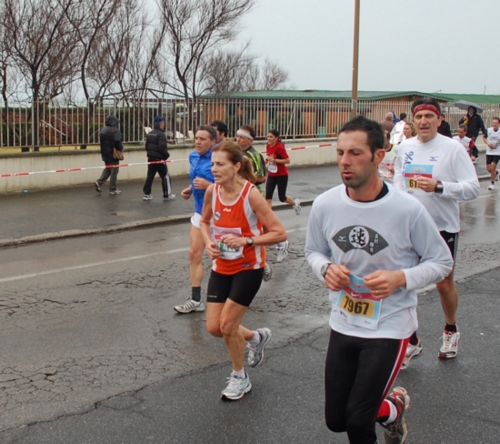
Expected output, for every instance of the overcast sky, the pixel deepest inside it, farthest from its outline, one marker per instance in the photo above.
(419, 45)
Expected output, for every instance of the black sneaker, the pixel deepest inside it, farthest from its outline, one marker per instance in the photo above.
(97, 186)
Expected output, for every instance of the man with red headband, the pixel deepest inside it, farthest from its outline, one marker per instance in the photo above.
(438, 172)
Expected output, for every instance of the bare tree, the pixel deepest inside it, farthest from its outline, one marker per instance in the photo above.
(42, 43)
(239, 71)
(194, 28)
(90, 19)
(5, 65)
(228, 71)
(272, 76)
(140, 64)
(43, 46)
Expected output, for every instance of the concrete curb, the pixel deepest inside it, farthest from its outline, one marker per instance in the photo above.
(128, 226)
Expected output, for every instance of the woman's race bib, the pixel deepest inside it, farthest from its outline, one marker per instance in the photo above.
(229, 253)
(272, 167)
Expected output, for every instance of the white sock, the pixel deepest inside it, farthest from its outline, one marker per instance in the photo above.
(256, 339)
(239, 373)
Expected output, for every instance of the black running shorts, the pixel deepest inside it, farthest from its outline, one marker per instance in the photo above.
(281, 182)
(240, 287)
(492, 159)
(451, 240)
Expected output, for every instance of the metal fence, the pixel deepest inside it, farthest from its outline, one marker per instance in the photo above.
(78, 125)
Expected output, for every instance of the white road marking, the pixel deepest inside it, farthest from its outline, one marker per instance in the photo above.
(99, 264)
(93, 264)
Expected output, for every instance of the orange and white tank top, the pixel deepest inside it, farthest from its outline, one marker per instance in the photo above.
(239, 219)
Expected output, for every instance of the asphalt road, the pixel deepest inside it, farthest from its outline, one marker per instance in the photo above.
(92, 351)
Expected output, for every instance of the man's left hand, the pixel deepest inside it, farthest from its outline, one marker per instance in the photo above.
(426, 184)
(383, 283)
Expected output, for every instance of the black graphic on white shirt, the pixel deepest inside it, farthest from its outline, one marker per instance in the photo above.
(358, 237)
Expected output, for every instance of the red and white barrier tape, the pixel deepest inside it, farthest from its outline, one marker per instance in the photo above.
(123, 165)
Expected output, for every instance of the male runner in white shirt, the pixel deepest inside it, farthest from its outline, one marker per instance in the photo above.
(373, 246)
(492, 152)
(438, 172)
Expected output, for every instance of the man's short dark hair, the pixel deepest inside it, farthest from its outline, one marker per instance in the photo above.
(426, 101)
(496, 118)
(373, 130)
(249, 129)
(403, 116)
(209, 129)
(220, 126)
(463, 126)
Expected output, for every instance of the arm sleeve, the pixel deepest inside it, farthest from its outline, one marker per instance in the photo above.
(262, 166)
(317, 249)
(282, 154)
(483, 128)
(447, 131)
(466, 186)
(117, 138)
(162, 146)
(436, 262)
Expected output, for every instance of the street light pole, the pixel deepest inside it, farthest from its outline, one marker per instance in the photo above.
(354, 92)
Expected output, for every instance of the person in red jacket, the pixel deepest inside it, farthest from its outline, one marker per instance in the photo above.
(277, 176)
(277, 172)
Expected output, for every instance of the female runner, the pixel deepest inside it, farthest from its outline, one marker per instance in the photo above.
(234, 213)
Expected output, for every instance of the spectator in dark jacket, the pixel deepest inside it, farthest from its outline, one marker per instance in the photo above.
(444, 127)
(156, 147)
(110, 138)
(474, 123)
(387, 124)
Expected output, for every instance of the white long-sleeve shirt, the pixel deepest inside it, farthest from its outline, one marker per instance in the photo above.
(388, 234)
(442, 159)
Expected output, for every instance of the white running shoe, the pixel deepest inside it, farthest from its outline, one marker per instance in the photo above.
(413, 351)
(297, 207)
(283, 251)
(492, 186)
(256, 354)
(449, 349)
(268, 272)
(115, 192)
(190, 306)
(147, 197)
(236, 388)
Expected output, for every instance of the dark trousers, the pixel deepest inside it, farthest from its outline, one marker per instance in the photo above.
(166, 182)
(358, 374)
(110, 173)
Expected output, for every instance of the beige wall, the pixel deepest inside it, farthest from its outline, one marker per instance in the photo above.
(179, 165)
